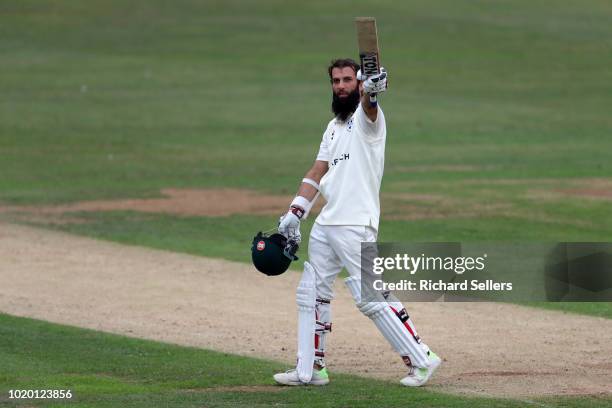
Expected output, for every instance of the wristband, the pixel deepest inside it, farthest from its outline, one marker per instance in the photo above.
(302, 203)
(311, 182)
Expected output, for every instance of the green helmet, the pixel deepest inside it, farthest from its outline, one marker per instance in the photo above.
(272, 254)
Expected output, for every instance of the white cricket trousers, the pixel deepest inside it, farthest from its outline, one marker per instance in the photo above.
(333, 246)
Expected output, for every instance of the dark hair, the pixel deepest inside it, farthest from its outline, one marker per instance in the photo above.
(342, 63)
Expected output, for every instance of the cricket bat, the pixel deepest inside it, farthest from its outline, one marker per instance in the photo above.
(369, 57)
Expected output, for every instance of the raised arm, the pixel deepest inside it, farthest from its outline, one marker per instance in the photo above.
(372, 86)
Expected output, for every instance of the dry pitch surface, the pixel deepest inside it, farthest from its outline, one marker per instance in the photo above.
(488, 348)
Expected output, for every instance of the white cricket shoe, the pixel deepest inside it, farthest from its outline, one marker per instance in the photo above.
(419, 376)
(290, 377)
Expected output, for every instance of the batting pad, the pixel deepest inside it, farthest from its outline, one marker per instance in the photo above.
(389, 325)
(306, 301)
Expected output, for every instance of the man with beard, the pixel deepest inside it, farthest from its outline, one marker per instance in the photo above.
(347, 172)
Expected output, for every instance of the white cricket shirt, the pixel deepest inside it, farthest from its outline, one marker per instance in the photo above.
(355, 153)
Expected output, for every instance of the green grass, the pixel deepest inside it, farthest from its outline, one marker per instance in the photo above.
(492, 106)
(121, 100)
(600, 309)
(113, 101)
(104, 370)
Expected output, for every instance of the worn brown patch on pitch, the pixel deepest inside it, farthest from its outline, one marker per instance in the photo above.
(226, 202)
(588, 193)
(603, 192)
(394, 206)
(595, 189)
(186, 202)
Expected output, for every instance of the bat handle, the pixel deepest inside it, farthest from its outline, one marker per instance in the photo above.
(373, 101)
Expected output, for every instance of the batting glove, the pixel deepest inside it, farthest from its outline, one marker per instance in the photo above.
(289, 226)
(374, 84)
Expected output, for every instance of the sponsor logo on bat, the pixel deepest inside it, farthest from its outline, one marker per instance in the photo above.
(369, 64)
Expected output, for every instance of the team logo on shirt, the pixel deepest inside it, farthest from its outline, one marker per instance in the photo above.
(339, 159)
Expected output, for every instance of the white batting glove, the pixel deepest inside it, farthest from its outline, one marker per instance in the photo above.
(374, 84)
(289, 226)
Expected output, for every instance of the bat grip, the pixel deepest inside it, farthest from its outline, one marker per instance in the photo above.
(373, 101)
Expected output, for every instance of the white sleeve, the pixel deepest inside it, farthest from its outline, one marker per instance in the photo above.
(323, 154)
(373, 131)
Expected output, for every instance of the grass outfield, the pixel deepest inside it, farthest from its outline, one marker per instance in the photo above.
(104, 370)
(121, 101)
(491, 104)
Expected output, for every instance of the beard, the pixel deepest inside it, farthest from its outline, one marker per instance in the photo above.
(343, 107)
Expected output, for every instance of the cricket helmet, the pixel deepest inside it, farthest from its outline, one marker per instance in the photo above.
(272, 254)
